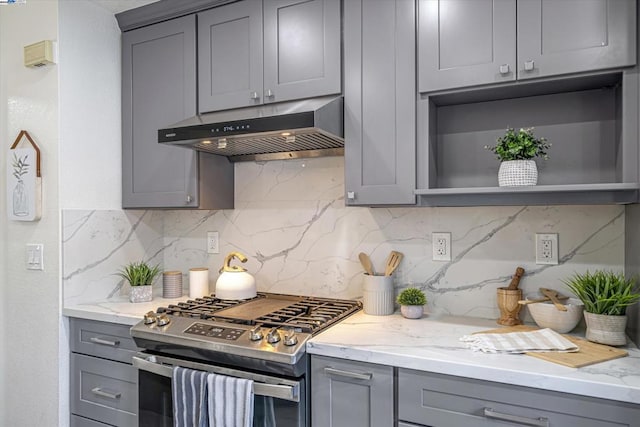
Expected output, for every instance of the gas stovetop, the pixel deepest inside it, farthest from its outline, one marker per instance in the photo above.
(272, 327)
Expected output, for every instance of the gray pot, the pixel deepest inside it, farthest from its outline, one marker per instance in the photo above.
(141, 293)
(412, 311)
(605, 329)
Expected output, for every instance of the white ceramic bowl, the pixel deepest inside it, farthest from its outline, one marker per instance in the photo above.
(546, 315)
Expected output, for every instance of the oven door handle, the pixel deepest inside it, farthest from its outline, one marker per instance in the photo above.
(289, 392)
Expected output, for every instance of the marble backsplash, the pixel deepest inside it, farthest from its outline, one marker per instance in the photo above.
(291, 222)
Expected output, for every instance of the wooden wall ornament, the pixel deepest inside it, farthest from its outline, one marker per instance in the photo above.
(24, 181)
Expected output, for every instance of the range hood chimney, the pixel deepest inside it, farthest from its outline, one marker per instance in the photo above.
(287, 130)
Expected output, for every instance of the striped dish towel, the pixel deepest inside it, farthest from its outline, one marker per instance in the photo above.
(230, 402)
(189, 388)
(542, 340)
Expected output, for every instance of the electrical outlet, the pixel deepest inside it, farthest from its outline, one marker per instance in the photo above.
(441, 243)
(213, 242)
(547, 248)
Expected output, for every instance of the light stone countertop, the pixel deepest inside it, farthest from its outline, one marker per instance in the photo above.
(429, 344)
(433, 344)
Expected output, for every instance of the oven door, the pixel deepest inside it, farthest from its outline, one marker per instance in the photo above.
(278, 402)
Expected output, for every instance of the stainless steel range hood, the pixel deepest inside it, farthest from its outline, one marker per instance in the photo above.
(305, 128)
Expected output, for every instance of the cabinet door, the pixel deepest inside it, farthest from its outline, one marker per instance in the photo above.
(347, 393)
(301, 49)
(158, 89)
(465, 43)
(568, 36)
(230, 56)
(380, 102)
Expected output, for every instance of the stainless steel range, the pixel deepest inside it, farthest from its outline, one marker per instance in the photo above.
(262, 338)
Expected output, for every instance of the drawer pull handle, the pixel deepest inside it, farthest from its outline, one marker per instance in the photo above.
(525, 421)
(99, 392)
(101, 341)
(348, 374)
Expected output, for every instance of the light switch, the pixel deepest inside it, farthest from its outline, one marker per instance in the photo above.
(35, 256)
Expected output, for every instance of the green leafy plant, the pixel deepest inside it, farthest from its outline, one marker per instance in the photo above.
(139, 273)
(520, 145)
(20, 166)
(412, 296)
(604, 292)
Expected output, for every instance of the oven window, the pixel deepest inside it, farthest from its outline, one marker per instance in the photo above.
(156, 405)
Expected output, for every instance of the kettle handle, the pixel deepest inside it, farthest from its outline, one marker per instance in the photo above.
(233, 268)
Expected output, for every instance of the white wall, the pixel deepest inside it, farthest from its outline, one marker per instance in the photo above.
(90, 131)
(30, 302)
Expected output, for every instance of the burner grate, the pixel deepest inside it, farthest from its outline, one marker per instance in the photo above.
(304, 314)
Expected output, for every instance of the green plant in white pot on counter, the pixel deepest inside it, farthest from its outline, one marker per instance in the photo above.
(606, 296)
(516, 151)
(140, 276)
(412, 301)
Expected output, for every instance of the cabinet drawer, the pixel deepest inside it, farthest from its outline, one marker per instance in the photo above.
(108, 340)
(77, 421)
(447, 401)
(104, 391)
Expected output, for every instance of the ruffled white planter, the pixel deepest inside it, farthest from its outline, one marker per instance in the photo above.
(515, 173)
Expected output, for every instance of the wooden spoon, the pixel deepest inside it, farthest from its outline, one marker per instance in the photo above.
(366, 263)
(532, 301)
(553, 296)
(393, 261)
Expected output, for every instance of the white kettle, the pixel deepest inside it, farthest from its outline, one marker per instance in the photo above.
(234, 281)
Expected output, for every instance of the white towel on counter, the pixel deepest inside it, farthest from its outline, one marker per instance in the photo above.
(230, 401)
(189, 389)
(541, 340)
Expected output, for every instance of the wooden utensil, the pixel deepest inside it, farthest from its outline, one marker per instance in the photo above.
(515, 280)
(553, 296)
(366, 263)
(531, 301)
(393, 261)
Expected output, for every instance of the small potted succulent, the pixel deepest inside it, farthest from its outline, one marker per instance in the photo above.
(516, 150)
(606, 296)
(412, 301)
(140, 276)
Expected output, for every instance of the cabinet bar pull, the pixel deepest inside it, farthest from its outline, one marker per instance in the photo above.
(254, 95)
(525, 421)
(268, 93)
(348, 374)
(99, 392)
(101, 341)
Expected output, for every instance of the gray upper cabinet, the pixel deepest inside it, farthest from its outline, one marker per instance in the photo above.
(230, 56)
(252, 53)
(348, 393)
(473, 42)
(568, 36)
(465, 43)
(159, 89)
(380, 116)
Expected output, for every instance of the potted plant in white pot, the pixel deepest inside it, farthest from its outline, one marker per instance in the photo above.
(606, 296)
(516, 151)
(412, 301)
(140, 276)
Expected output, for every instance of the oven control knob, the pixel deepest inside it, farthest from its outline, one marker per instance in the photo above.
(273, 336)
(291, 338)
(255, 334)
(163, 320)
(149, 318)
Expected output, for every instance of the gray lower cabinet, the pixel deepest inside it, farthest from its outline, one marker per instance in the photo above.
(158, 90)
(253, 52)
(348, 393)
(380, 102)
(103, 383)
(466, 43)
(435, 400)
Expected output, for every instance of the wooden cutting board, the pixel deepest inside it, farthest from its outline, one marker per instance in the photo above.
(589, 353)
